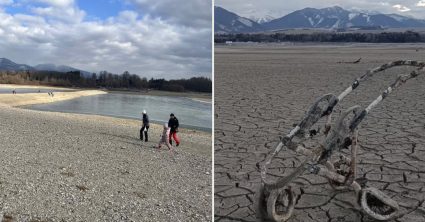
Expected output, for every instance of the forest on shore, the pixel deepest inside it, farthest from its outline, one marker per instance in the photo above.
(381, 37)
(104, 79)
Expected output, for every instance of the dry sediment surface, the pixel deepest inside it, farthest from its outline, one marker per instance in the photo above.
(261, 91)
(71, 167)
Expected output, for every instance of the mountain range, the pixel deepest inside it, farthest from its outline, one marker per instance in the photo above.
(8, 65)
(229, 22)
(325, 18)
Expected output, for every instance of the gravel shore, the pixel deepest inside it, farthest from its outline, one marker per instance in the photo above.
(72, 167)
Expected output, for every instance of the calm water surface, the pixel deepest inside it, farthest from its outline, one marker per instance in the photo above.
(191, 113)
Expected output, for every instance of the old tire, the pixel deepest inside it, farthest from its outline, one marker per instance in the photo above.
(284, 199)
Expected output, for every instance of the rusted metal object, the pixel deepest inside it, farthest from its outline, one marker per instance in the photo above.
(275, 200)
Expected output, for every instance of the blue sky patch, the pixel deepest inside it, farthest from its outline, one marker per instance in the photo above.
(94, 9)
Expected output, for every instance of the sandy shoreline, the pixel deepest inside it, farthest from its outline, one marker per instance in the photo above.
(14, 86)
(75, 167)
(39, 98)
(202, 97)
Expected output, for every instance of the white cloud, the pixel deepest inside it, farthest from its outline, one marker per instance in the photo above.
(64, 10)
(401, 8)
(6, 2)
(64, 14)
(58, 3)
(188, 12)
(149, 44)
(421, 3)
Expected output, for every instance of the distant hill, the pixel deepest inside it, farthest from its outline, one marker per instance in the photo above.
(8, 65)
(229, 22)
(325, 18)
(53, 67)
(60, 68)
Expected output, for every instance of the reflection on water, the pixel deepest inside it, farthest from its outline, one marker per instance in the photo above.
(191, 113)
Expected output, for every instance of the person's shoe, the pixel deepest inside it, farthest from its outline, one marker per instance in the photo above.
(146, 140)
(177, 144)
(171, 142)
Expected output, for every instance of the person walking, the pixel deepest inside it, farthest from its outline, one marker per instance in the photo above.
(165, 137)
(145, 126)
(173, 123)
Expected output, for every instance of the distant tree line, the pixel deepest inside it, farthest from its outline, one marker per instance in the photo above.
(104, 79)
(382, 37)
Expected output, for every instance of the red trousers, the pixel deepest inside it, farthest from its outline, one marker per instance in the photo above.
(175, 137)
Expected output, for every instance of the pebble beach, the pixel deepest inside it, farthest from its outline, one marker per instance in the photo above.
(74, 167)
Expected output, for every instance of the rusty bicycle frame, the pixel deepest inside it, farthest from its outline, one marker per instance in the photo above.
(275, 200)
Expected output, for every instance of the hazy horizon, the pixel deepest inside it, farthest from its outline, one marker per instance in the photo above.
(187, 76)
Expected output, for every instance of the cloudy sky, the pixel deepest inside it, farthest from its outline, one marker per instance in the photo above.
(152, 38)
(277, 8)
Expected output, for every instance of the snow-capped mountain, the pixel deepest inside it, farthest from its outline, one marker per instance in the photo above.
(337, 17)
(261, 20)
(8, 65)
(334, 17)
(229, 22)
(327, 18)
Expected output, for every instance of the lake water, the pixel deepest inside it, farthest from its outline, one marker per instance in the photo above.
(190, 113)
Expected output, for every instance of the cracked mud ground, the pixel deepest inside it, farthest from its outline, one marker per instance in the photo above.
(261, 91)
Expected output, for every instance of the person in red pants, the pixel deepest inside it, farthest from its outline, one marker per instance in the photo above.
(173, 123)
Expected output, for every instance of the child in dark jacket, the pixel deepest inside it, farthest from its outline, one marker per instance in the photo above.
(145, 126)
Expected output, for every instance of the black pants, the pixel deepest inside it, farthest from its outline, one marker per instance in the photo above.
(146, 133)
